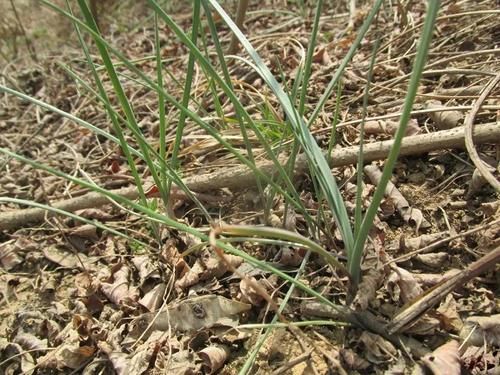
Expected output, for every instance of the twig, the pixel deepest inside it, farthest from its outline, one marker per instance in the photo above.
(469, 144)
(241, 177)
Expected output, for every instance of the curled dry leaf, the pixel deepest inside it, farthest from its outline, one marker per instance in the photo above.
(148, 271)
(207, 267)
(445, 360)
(367, 289)
(424, 326)
(29, 341)
(182, 362)
(479, 330)
(352, 360)
(118, 359)
(71, 353)
(477, 181)
(448, 315)
(213, 357)
(17, 358)
(479, 359)
(142, 356)
(290, 256)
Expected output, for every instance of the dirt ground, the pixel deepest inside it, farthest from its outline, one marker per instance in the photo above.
(77, 299)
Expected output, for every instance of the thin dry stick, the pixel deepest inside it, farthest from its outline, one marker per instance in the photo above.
(469, 144)
(241, 177)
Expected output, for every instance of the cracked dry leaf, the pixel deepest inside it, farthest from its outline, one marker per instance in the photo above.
(191, 315)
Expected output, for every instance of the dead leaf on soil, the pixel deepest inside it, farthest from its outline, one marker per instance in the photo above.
(8, 255)
(433, 260)
(249, 294)
(10, 252)
(448, 315)
(412, 244)
(352, 361)
(19, 359)
(389, 127)
(207, 267)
